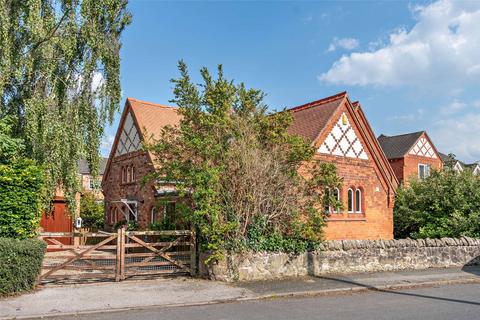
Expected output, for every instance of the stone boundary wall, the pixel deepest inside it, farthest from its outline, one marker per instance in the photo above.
(346, 256)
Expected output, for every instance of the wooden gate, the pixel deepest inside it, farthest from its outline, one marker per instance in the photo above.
(117, 256)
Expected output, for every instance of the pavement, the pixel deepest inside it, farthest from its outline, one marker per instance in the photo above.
(446, 302)
(66, 300)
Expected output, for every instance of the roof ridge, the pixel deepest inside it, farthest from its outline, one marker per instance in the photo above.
(317, 102)
(151, 103)
(399, 135)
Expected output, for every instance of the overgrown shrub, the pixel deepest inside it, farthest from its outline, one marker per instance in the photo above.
(446, 204)
(237, 164)
(92, 212)
(20, 264)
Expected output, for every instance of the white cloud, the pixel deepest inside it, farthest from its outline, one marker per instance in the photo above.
(458, 135)
(453, 107)
(418, 114)
(343, 43)
(441, 49)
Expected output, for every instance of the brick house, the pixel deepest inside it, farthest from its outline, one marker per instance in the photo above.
(334, 125)
(460, 166)
(89, 184)
(340, 132)
(411, 155)
(125, 196)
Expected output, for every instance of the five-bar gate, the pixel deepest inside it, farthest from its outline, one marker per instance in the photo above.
(117, 256)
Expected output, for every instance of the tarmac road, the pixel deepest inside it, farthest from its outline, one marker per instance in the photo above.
(440, 302)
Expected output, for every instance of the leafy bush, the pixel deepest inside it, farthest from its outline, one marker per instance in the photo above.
(21, 185)
(237, 164)
(20, 264)
(446, 204)
(92, 212)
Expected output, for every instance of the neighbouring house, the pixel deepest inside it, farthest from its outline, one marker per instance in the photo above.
(459, 166)
(89, 183)
(411, 155)
(60, 219)
(334, 125)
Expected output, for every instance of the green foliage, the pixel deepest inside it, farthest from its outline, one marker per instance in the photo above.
(91, 211)
(20, 264)
(446, 204)
(129, 225)
(21, 187)
(236, 164)
(10, 148)
(60, 78)
(21, 183)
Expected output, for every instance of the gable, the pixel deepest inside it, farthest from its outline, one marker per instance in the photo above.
(342, 141)
(129, 140)
(423, 148)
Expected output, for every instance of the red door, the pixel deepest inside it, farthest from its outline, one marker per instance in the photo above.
(58, 220)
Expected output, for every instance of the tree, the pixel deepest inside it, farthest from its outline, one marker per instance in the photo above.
(59, 77)
(237, 168)
(446, 204)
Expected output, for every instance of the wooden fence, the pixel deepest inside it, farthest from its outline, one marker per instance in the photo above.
(117, 256)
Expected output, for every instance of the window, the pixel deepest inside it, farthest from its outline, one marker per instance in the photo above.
(358, 201)
(326, 201)
(423, 171)
(133, 173)
(113, 215)
(336, 195)
(350, 200)
(124, 174)
(154, 217)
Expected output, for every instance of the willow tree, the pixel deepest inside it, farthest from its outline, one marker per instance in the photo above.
(60, 79)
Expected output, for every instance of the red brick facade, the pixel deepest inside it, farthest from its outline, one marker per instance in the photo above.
(375, 219)
(406, 166)
(370, 173)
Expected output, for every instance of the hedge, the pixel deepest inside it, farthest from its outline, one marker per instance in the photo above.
(21, 187)
(20, 264)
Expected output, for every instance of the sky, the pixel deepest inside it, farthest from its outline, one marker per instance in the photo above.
(413, 65)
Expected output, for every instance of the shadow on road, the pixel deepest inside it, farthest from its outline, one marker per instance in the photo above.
(417, 295)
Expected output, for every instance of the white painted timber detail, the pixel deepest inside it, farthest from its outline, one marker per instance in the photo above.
(423, 149)
(343, 141)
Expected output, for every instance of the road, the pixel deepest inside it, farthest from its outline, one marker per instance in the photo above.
(443, 302)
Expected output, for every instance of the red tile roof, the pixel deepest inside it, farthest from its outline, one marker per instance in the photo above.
(309, 119)
(152, 117)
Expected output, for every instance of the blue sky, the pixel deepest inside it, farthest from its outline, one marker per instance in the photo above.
(413, 65)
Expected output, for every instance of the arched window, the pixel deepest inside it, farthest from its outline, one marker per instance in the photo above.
(326, 201)
(350, 200)
(358, 201)
(129, 174)
(336, 195)
(154, 214)
(133, 173)
(124, 174)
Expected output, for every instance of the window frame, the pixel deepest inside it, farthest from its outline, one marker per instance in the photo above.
(352, 193)
(337, 197)
(426, 171)
(358, 200)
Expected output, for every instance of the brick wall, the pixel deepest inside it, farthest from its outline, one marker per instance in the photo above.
(114, 189)
(376, 219)
(411, 163)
